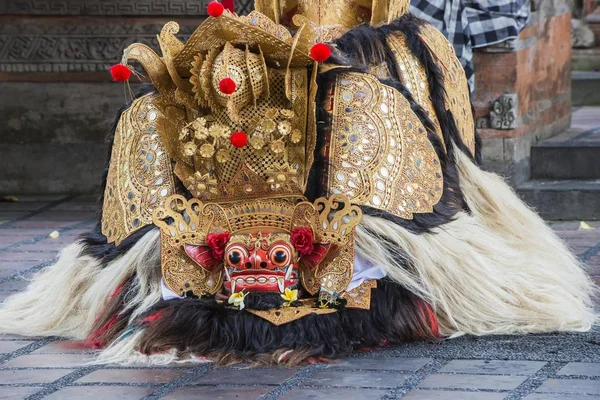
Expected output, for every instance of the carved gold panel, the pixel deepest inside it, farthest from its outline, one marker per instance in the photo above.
(140, 176)
(458, 96)
(379, 152)
(360, 297)
(414, 77)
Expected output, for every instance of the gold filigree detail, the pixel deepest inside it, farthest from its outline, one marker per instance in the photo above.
(280, 316)
(458, 95)
(360, 297)
(272, 126)
(282, 177)
(414, 77)
(181, 275)
(189, 221)
(380, 155)
(140, 177)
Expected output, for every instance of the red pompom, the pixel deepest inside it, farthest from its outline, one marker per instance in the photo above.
(215, 9)
(239, 139)
(320, 52)
(120, 73)
(227, 85)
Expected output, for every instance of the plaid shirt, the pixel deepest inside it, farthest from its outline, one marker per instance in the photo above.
(470, 24)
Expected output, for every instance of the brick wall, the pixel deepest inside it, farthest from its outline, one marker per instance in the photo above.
(536, 70)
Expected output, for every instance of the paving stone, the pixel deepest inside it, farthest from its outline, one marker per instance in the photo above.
(218, 393)
(100, 393)
(355, 379)
(13, 285)
(473, 382)
(41, 197)
(10, 346)
(4, 295)
(46, 246)
(10, 337)
(71, 215)
(29, 376)
(5, 273)
(34, 223)
(23, 234)
(452, 395)
(584, 369)
(63, 240)
(26, 256)
(270, 376)
(554, 396)
(573, 386)
(12, 215)
(152, 376)
(86, 198)
(22, 205)
(16, 265)
(77, 206)
(58, 347)
(16, 393)
(497, 367)
(381, 363)
(49, 360)
(333, 394)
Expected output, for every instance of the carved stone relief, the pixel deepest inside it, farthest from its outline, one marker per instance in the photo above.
(95, 44)
(505, 112)
(71, 47)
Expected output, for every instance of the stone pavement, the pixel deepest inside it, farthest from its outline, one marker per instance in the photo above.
(535, 367)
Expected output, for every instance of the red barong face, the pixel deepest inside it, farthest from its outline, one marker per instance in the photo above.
(261, 262)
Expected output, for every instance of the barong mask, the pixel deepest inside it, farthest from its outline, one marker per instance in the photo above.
(234, 121)
(260, 246)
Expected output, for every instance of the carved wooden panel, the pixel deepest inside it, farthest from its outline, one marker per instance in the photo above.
(136, 8)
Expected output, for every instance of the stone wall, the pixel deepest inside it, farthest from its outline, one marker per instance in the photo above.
(56, 97)
(523, 90)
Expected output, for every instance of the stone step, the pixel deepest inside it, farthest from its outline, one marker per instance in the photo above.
(586, 59)
(573, 154)
(585, 88)
(563, 199)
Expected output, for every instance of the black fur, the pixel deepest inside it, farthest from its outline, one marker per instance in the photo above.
(206, 328)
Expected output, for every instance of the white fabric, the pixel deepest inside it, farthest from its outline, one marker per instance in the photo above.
(364, 270)
(168, 294)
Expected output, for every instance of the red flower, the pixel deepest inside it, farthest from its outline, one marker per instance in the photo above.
(120, 73)
(239, 139)
(217, 242)
(320, 52)
(302, 240)
(227, 86)
(215, 9)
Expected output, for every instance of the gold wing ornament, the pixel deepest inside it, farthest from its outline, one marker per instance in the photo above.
(458, 95)
(379, 152)
(140, 177)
